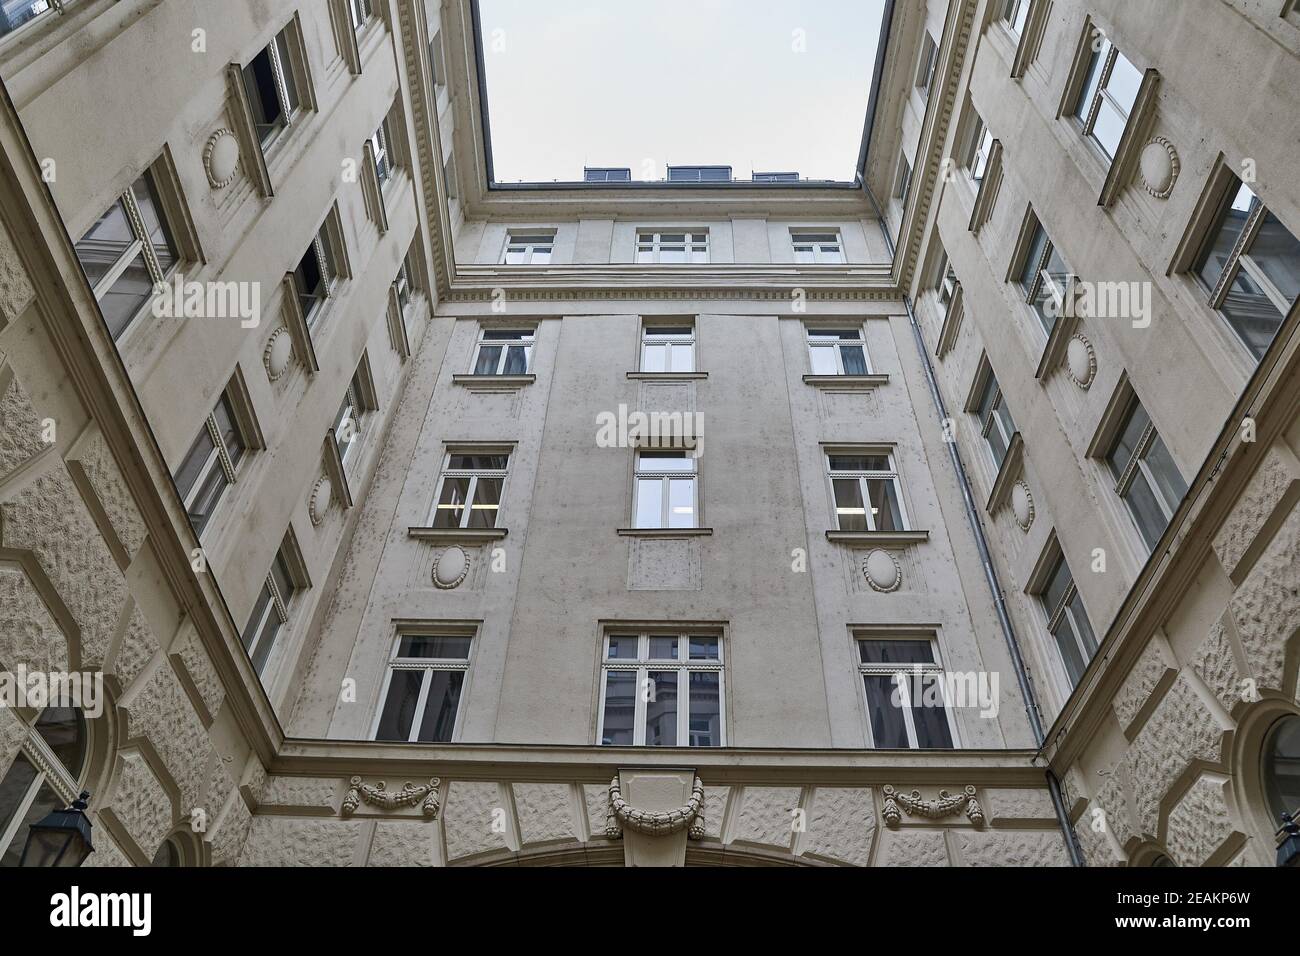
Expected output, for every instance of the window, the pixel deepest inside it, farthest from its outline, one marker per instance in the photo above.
(272, 85)
(903, 181)
(1045, 279)
(469, 490)
(905, 694)
(404, 284)
(1110, 89)
(1281, 768)
(382, 145)
(1015, 14)
(44, 776)
(210, 464)
(926, 66)
(662, 690)
(314, 275)
(994, 418)
(1145, 474)
(360, 12)
(504, 352)
(127, 250)
(866, 492)
(947, 286)
(270, 612)
(978, 147)
(1251, 265)
(18, 13)
(349, 423)
(666, 490)
(817, 247)
(776, 177)
(672, 247)
(668, 347)
(426, 677)
(837, 351)
(1067, 620)
(529, 248)
(699, 174)
(606, 175)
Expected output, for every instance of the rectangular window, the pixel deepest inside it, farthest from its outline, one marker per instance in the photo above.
(1251, 266)
(926, 66)
(947, 286)
(426, 678)
(792, 177)
(672, 247)
(360, 12)
(699, 174)
(19, 13)
(404, 284)
(1068, 621)
(668, 347)
(350, 422)
(1145, 474)
(1015, 14)
(904, 684)
(866, 492)
(837, 351)
(272, 85)
(210, 464)
(1109, 91)
(666, 490)
(662, 690)
(1045, 279)
(382, 145)
(994, 419)
(529, 248)
(314, 275)
(469, 490)
(606, 175)
(270, 612)
(903, 181)
(127, 249)
(504, 352)
(817, 247)
(978, 147)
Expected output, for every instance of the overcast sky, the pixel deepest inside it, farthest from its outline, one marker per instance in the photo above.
(645, 83)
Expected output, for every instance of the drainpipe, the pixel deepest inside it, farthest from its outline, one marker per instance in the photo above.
(990, 573)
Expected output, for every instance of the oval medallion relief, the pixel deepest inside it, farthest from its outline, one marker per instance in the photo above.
(322, 496)
(1080, 361)
(1022, 505)
(278, 353)
(221, 158)
(1159, 165)
(450, 569)
(882, 571)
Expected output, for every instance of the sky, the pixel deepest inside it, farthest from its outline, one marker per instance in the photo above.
(766, 85)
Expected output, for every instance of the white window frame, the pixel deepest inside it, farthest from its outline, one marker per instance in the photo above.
(643, 665)
(350, 422)
(50, 772)
(473, 474)
(835, 345)
(975, 159)
(1138, 463)
(1015, 15)
(683, 337)
(359, 13)
(385, 156)
(536, 247)
(903, 180)
(862, 477)
(1101, 65)
(220, 457)
(51, 6)
(1061, 615)
(1043, 279)
(990, 420)
(278, 606)
(665, 479)
(822, 246)
(527, 339)
(909, 671)
(947, 286)
(650, 243)
(279, 68)
(927, 64)
(327, 261)
(429, 665)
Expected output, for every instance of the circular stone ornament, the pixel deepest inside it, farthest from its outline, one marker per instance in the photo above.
(450, 569)
(221, 158)
(278, 354)
(1160, 165)
(1022, 505)
(1080, 361)
(882, 571)
(322, 498)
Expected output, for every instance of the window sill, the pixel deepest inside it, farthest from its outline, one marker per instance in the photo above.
(665, 532)
(1008, 472)
(878, 537)
(667, 376)
(1057, 340)
(458, 535)
(847, 382)
(493, 383)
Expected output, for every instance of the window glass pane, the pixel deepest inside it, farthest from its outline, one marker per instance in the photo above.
(13, 788)
(704, 649)
(440, 710)
(516, 360)
(1169, 482)
(1029, 274)
(489, 357)
(854, 359)
(681, 503)
(1282, 768)
(997, 444)
(198, 455)
(399, 707)
(270, 631)
(229, 431)
(256, 619)
(286, 69)
(434, 647)
(885, 511)
(1056, 586)
(850, 512)
(64, 730)
(1094, 78)
(1125, 80)
(682, 358)
(661, 709)
(623, 647)
(896, 652)
(259, 80)
(487, 501)
(705, 715)
(649, 502)
(155, 223)
(1070, 656)
(1127, 442)
(127, 296)
(46, 802)
(1079, 617)
(672, 461)
(1146, 512)
(1277, 253)
(105, 243)
(205, 502)
(1227, 230)
(1251, 313)
(928, 714)
(1109, 127)
(654, 358)
(620, 708)
(451, 506)
(663, 648)
(823, 359)
(888, 729)
(280, 572)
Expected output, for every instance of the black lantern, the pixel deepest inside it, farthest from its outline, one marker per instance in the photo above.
(1288, 851)
(61, 839)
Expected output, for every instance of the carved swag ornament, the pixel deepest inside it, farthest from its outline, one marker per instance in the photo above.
(663, 823)
(944, 805)
(377, 796)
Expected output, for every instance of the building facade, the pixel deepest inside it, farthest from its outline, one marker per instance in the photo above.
(414, 519)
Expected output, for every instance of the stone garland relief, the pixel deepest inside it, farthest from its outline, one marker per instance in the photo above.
(662, 823)
(945, 805)
(377, 795)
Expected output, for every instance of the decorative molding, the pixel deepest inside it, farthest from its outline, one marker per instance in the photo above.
(1088, 357)
(296, 323)
(216, 178)
(945, 805)
(322, 496)
(1126, 153)
(1012, 468)
(846, 383)
(457, 535)
(376, 796)
(878, 537)
(883, 587)
(663, 823)
(246, 130)
(268, 354)
(451, 581)
(1159, 189)
(493, 383)
(1027, 521)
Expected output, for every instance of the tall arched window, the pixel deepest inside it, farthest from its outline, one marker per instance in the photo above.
(1281, 768)
(44, 776)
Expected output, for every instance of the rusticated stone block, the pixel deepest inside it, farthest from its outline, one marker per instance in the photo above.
(1017, 806)
(1199, 823)
(1181, 730)
(475, 819)
(141, 804)
(20, 429)
(193, 658)
(715, 809)
(1266, 489)
(1147, 673)
(1097, 848)
(841, 825)
(302, 793)
(401, 843)
(545, 812)
(1112, 801)
(1267, 606)
(106, 480)
(50, 520)
(913, 848)
(290, 841)
(766, 816)
(227, 839)
(12, 734)
(29, 636)
(220, 785)
(1073, 791)
(1215, 664)
(136, 651)
(15, 288)
(1012, 848)
(162, 712)
(596, 798)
